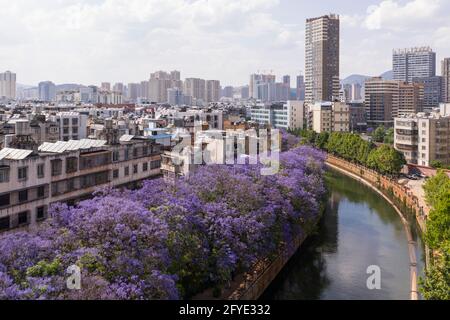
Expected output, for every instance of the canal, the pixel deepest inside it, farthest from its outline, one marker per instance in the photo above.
(359, 229)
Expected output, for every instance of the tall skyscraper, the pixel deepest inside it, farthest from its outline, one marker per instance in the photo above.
(212, 91)
(445, 68)
(119, 87)
(47, 91)
(106, 86)
(134, 92)
(258, 80)
(195, 88)
(287, 80)
(300, 88)
(414, 63)
(322, 58)
(8, 85)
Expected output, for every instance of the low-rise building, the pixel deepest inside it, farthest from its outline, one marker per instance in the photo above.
(67, 172)
(423, 138)
(329, 117)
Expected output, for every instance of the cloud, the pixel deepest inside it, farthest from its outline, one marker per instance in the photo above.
(390, 14)
(125, 40)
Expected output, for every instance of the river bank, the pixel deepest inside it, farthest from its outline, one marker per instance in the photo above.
(414, 291)
(359, 229)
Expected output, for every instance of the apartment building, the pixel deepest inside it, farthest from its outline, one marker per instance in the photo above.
(381, 101)
(423, 138)
(445, 69)
(286, 116)
(8, 85)
(322, 43)
(72, 125)
(410, 63)
(329, 117)
(67, 172)
(410, 98)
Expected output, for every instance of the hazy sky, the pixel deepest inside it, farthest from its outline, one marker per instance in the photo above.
(90, 41)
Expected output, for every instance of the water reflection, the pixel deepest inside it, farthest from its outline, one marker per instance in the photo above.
(358, 229)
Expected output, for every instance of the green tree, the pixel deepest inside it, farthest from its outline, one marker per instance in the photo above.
(436, 285)
(386, 160)
(379, 134)
(322, 140)
(389, 136)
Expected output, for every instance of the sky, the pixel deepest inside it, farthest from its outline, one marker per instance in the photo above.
(94, 41)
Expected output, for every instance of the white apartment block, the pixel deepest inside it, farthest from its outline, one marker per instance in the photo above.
(8, 85)
(72, 125)
(329, 117)
(67, 172)
(423, 138)
(287, 116)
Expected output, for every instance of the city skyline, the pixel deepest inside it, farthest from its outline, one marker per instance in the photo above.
(206, 39)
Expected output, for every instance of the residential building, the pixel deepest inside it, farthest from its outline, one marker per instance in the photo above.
(66, 172)
(300, 88)
(358, 116)
(195, 88)
(381, 101)
(413, 63)
(329, 117)
(8, 85)
(212, 92)
(106, 86)
(423, 138)
(445, 68)
(47, 91)
(72, 125)
(322, 58)
(259, 84)
(175, 97)
(410, 98)
(433, 92)
(289, 115)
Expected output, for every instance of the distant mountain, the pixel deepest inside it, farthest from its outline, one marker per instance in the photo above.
(355, 78)
(361, 79)
(388, 75)
(68, 87)
(23, 86)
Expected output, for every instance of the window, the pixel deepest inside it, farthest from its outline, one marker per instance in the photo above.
(75, 130)
(41, 192)
(145, 150)
(41, 170)
(75, 122)
(135, 152)
(115, 174)
(4, 175)
(127, 171)
(135, 169)
(66, 131)
(23, 218)
(40, 213)
(145, 166)
(71, 165)
(70, 185)
(127, 154)
(115, 156)
(56, 167)
(22, 173)
(23, 195)
(65, 122)
(4, 223)
(155, 164)
(4, 200)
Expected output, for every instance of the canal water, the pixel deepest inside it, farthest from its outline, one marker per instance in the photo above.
(359, 229)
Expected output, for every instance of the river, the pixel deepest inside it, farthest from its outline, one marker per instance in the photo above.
(359, 229)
